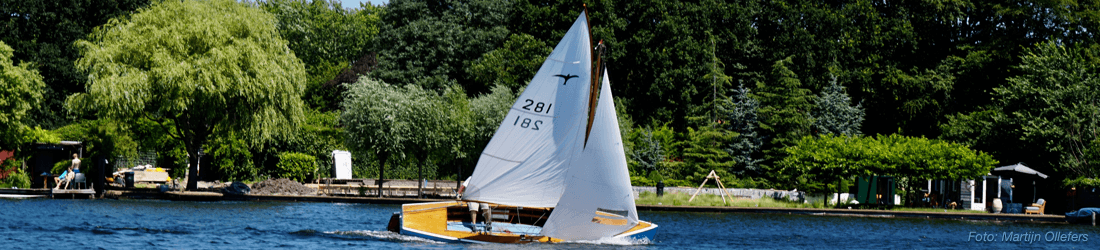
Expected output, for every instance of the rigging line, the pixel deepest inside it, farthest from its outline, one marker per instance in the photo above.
(561, 61)
(531, 113)
(498, 157)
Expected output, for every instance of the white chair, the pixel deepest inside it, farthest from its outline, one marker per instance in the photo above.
(79, 181)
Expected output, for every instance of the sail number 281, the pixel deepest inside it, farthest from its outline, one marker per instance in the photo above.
(527, 123)
(537, 107)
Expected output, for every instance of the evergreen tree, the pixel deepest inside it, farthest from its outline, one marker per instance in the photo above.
(833, 113)
(741, 118)
(705, 151)
(784, 112)
(647, 152)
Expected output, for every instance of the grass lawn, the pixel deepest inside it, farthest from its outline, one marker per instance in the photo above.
(705, 200)
(679, 199)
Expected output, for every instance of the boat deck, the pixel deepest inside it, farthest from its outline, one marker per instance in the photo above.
(449, 221)
(494, 228)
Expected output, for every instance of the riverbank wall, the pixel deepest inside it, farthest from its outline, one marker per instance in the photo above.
(946, 215)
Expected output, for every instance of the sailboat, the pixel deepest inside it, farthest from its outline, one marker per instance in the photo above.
(555, 169)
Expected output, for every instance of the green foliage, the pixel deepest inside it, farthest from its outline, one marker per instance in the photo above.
(109, 139)
(1048, 115)
(42, 33)
(648, 153)
(670, 142)
(641, 181)
(705, 151)
(21, 90)
(326, 37)
(664, 54)
(322, 31)
(784, 112)
(1054, 106)
(62, 166)
(431, 42)
(203, 66)
(1082, 182)
(512, 65)
(391, 121)
(741, 118)
(823, 160)
(833, 114)
(37, 135)
(12, 175)
(174, 158)
(296, 166)
(319, 135)
(232, 159)
(100, 137)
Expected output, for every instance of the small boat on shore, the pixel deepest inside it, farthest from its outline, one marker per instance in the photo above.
(554, 171)
(1082, 216)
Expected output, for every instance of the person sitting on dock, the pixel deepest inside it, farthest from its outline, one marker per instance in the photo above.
(65, 178)
(69, 174)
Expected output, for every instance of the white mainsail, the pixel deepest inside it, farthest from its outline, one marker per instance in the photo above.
(525, 162)
(598, 201)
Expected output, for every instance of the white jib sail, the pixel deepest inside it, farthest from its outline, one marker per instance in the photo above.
(598, 201)
(525, 162)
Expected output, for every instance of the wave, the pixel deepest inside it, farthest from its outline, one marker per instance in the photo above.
(382, 235)
(618, 241)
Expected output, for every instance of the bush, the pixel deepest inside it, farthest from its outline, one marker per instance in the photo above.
(232, 159)
(63, 165)
(296, 166)
(642, 181)
(16, 177)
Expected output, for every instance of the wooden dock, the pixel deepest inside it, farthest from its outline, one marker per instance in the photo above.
(390, 188)
(47, 193)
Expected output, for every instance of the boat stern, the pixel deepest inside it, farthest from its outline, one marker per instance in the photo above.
(395, 223)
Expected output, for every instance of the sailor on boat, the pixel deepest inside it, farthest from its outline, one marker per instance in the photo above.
(474, 208)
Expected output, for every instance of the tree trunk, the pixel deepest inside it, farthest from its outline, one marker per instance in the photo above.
(420, 178)
(193, 169)
(384, 157)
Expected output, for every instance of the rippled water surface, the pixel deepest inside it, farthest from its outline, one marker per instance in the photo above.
(153, 224)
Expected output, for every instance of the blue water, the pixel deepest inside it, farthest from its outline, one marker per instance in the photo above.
(154, 224)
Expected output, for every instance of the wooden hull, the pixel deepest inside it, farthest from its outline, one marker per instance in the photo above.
(450, 221)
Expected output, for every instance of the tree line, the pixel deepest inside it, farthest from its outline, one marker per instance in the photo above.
(731, 86)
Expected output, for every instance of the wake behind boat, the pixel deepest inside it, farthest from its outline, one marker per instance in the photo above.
(555, 169)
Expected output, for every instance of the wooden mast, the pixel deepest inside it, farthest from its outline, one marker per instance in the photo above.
(597, 75)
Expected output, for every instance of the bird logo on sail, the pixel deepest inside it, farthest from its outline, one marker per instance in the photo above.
(566, 77)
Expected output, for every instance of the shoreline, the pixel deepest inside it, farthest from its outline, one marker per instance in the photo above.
(1027, 218)
(140, 194)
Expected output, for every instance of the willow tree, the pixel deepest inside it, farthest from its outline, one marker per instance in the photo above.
(20, 90)
(195, 67)
(389, 121)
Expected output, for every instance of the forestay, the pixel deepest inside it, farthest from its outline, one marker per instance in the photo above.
(598, 201)
(525, 162)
